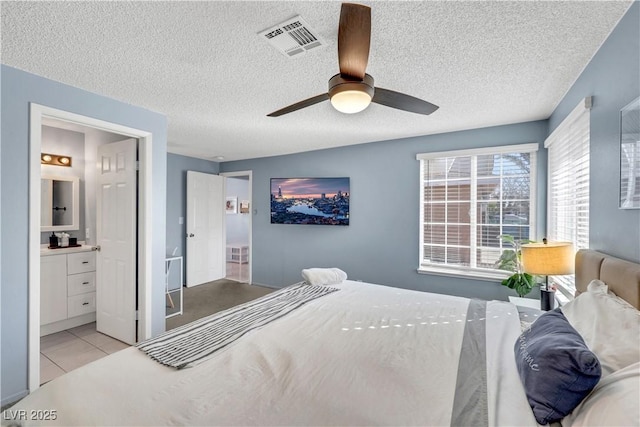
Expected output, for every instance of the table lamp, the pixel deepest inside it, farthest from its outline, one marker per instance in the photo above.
(547, 259)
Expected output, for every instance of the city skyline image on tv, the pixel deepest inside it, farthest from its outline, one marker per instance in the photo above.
(317, 201)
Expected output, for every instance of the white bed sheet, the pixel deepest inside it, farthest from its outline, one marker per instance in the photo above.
(367, 355)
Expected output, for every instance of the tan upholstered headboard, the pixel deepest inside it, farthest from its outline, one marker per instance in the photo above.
(622, 277)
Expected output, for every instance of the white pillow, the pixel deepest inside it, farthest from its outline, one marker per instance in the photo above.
(613, 402)
(324, 276)
(609, 325)
(597, 286)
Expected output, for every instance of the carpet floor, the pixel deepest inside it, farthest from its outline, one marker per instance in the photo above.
(203, 300)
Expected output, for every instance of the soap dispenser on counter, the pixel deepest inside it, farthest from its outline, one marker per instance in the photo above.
(53, 241)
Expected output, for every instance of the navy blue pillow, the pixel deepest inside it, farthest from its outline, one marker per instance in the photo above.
(556, 367)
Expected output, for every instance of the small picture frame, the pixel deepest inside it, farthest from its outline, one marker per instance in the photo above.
(244, 206)
(231, 206)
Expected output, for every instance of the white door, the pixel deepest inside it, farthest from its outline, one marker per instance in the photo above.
(205, 228)
(116, 237)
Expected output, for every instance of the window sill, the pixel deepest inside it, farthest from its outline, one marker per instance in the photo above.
(561, 298)
(532, 302)
(490, 276)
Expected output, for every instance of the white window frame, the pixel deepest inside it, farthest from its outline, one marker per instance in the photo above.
(566, 284)
(475, 272)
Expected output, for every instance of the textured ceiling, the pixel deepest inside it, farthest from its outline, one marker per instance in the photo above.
(203, 65)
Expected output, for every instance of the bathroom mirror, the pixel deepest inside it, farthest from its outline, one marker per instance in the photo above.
(630, 156)
(59, 210)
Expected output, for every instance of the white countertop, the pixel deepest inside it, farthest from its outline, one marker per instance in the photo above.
(45, 251)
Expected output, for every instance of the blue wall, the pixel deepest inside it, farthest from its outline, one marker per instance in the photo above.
(18, 89)
(177, 167)
(380, 245)
(613, 79)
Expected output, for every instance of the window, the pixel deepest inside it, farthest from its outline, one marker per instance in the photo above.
(469, 198)
(568, 185)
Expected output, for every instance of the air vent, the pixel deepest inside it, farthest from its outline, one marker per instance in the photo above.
(292, 37)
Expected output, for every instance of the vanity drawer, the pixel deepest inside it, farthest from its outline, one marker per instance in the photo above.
(81, 283)
(78, 305)
(81, 262)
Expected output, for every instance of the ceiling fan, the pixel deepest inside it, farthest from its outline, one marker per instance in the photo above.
(352, 90)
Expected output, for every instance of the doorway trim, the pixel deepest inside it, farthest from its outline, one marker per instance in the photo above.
(145, 197)
(250, 175)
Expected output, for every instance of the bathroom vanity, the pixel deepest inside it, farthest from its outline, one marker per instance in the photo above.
(67, 288)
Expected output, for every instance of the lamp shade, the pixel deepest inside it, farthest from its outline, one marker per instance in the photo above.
(553, 258)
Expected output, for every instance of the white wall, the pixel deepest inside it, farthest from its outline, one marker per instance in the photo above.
(238, 224)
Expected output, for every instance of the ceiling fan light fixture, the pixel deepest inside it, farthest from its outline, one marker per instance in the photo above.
(350, 96)
(352, 90)
(350, 101)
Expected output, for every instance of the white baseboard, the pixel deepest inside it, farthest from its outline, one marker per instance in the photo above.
(266, 286)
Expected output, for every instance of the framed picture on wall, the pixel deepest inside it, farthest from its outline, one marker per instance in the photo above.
(244, 206)
(232, 205)
(317, 201)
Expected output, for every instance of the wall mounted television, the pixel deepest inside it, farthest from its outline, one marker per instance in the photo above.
(318, 201)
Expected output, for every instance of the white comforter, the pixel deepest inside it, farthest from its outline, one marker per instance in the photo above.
(366, 355)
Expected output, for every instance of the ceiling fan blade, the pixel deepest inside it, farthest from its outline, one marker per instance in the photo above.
(354, 39)
(401, 101)
(300, 105)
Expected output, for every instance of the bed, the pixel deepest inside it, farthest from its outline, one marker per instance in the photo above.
(359, 354)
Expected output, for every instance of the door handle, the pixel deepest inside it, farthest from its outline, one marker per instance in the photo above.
(190, 235)
(96, 248)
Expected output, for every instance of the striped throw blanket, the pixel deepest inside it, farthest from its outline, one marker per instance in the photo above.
(197, 341)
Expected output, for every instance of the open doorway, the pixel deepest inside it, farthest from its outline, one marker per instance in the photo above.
(235, 288)
(54, 121)
(76, 326)
(238, 225)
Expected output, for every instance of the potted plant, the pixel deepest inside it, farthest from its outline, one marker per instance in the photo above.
(510, 260)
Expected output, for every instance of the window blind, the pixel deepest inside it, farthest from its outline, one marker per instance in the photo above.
(568, 184)
(468, 199)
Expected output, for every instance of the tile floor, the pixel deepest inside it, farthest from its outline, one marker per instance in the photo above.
(67, 350)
